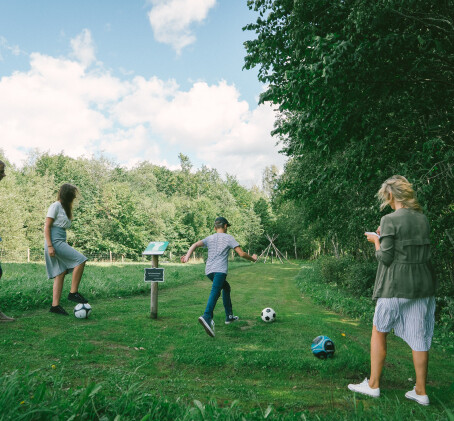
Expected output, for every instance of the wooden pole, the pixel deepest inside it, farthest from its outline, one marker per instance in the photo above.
(294, 243)
(28, 255)
(110, 255)
(154, 291)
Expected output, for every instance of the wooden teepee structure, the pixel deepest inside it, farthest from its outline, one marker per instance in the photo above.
(270, 248)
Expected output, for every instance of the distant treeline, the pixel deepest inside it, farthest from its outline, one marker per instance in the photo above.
(121, 210)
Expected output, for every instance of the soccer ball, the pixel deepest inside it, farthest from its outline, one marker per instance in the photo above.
(82, 311)
(268, 315)
(322, 347)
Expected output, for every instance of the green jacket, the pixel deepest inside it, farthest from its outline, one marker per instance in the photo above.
(404, 269)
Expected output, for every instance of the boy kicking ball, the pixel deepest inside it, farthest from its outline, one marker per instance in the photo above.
(219, 245)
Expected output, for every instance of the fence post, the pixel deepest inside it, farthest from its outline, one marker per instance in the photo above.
(110, 255)
(28, 255)
(122, 258)
(294, 243)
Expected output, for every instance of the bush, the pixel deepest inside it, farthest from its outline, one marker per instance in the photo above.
(361, 278)
(334, 270)
(356, 277)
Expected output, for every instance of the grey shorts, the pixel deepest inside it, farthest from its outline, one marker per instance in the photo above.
(412, 320)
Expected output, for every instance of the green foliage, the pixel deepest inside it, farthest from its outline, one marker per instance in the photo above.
(365, 91)
(122, 210)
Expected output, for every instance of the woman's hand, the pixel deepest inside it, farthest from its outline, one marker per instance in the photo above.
(378, 231)
(372, 238)
(184, 259)
(51, 251)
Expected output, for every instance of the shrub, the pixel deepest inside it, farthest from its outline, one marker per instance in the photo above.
(334, 270)
(360, 278)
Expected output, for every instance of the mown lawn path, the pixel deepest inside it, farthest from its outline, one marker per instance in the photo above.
(256, 363)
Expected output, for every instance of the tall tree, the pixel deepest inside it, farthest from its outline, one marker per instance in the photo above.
(365, 90)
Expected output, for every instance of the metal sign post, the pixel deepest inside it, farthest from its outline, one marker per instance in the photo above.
(155, 274)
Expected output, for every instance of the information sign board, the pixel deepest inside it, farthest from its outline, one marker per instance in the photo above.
(156, 248)
(154, 275)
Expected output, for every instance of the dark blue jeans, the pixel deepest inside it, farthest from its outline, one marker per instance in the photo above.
(219, 284)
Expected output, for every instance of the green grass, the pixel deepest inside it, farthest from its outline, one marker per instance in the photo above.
(119, 362)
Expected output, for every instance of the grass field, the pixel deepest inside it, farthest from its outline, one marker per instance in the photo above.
(120, 364)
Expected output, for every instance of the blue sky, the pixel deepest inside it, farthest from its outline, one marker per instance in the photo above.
(135, 80)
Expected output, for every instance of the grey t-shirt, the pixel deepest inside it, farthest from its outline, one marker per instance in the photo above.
(218, 245)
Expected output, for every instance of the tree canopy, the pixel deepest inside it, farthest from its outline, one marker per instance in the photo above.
(364, 90)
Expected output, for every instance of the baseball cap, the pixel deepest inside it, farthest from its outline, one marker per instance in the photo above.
(220, 220)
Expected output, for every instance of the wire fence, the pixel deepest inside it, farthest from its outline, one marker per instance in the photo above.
(37, 256)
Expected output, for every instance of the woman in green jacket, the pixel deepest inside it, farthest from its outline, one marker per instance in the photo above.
(404, 286)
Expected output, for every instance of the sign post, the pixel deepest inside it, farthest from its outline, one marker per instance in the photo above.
(154, 274)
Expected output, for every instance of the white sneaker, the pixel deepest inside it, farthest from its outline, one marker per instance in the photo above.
(421, 399)
(365, 389)
(209, 328)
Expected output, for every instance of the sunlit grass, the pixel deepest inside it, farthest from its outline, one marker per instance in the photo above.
(119, 361)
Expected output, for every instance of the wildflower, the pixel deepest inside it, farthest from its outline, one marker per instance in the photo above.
(53, 366)
(22, 402)
(343, 334)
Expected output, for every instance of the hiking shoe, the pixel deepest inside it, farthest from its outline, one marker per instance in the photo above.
(231, 319)
(77, 298)
(58, 310)
(209, 328)
(5, 318)
(421, 399)
(365, 389)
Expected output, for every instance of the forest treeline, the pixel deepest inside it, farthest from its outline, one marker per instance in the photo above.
(121, 210)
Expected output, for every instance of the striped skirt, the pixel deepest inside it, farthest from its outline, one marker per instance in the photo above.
(412, 320)
(66, 258)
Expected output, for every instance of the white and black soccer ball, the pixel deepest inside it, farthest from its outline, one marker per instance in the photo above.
(82, 311)
(268, 315)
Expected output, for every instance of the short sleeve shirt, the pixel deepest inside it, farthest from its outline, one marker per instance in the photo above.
(58, 214)
(218, 245)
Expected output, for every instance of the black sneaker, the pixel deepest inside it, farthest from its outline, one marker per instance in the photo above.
(77, 298)
(209, 327)
(58, 310)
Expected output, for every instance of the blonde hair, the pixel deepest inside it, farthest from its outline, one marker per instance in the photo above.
(399, 189)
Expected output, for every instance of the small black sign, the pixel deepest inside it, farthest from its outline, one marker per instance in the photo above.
(154, 275)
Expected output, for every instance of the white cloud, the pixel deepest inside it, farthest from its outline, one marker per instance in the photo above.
(5, 45)
(172, 20)
(220, 129)
(83, 48)
(61, 105)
